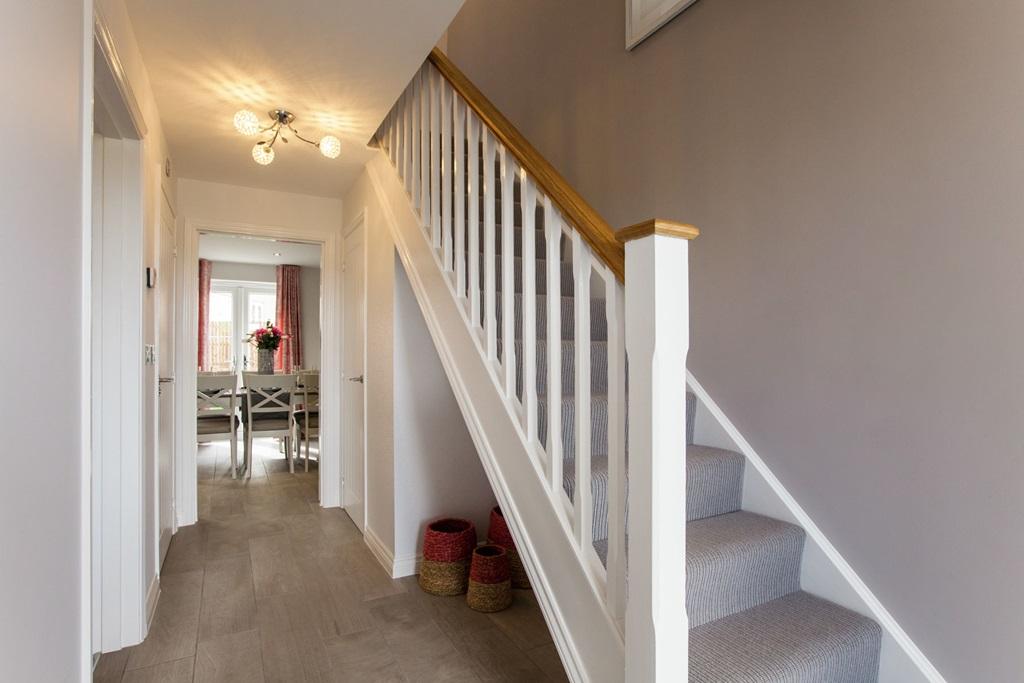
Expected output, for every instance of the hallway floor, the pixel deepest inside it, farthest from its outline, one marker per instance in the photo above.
(268, 586)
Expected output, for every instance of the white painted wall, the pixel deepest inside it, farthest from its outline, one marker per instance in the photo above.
(309, 284)
(437, 469)
(420, 460)
(41, 205)
(201, 201)
(380, 320)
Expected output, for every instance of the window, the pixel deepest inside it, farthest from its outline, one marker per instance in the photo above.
(236, 309)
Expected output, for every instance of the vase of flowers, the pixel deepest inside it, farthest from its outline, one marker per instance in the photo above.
(266, 340)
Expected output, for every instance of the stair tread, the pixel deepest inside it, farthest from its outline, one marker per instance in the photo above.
(798, 637)
(711, 537)
(738, 560)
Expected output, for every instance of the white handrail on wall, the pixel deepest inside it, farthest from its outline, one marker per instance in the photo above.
(451, 163)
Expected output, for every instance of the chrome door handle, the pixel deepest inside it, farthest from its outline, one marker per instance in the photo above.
(356, 379)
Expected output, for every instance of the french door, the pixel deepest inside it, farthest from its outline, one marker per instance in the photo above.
(236, 309)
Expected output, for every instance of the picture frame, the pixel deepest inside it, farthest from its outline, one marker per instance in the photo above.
(644, 17)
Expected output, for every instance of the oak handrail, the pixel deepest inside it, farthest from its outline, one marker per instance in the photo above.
(594, 229)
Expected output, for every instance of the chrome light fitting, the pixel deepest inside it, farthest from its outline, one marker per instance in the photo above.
(248, 123)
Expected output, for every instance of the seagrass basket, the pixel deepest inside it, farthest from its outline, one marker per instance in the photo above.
(498, 534)
(447, 547)
(490, 585)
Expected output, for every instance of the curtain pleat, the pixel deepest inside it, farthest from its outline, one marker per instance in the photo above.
(204, 314)
(289, 319)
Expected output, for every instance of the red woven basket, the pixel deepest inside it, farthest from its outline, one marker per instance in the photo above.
(449, 540)
(498, 534)
(447, 547)
(490, 565)
(490, 585)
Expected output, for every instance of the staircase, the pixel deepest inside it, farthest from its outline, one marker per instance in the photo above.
(541, 302)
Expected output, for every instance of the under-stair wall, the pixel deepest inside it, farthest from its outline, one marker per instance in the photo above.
(421, 462)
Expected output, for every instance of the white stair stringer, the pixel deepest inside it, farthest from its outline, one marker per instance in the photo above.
(588, 640)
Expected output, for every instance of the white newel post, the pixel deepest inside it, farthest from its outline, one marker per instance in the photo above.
(657, 339)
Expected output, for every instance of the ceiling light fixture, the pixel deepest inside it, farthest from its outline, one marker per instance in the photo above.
(248, 123)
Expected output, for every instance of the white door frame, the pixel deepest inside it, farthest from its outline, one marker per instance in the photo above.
(358, 221)
(116, 373)
(186, 354)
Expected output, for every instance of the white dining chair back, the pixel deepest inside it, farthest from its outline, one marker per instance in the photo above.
(217, 412)
(268, 409)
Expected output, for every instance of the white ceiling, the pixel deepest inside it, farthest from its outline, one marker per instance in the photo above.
(239, 249)
(338, 65)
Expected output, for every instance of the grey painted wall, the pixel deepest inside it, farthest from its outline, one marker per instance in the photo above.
(856, 169)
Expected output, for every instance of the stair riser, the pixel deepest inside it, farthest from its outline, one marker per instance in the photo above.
(737, 576)
(714, 486)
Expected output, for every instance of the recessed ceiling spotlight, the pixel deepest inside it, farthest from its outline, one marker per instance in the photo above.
(248, 123)
(277, 253)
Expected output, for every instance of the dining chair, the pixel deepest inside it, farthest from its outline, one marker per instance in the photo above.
(307, 417)
(217, 412)
(267, 412)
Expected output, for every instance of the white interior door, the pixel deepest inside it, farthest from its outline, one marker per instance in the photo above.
(354, 443)
(165, 292)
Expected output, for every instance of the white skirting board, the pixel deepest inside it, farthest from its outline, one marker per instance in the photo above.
(825, 572)
(396, 568)
(379, 550)
(406, 566)
(152, 598)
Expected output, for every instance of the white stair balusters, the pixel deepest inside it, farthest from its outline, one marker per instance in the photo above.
(473, 226)
(508, 290)
(435, 158)
(445, 103)
(529, 208)
(553, 259)
(447, 153)
(459, 168)
(490, 283)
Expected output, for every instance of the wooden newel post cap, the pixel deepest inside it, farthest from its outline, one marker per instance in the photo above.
(657, 226)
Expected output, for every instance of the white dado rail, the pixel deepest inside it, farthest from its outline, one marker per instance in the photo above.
(469, 175)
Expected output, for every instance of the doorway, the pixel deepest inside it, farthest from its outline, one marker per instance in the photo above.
(121, 549)
(354, 350)
(245, 284)
(327, 461)
(164, 284)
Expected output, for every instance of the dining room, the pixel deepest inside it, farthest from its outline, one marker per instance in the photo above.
(258, 368)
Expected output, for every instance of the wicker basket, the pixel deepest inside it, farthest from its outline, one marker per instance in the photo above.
(447, 548)
(490, 586)
(498, 534)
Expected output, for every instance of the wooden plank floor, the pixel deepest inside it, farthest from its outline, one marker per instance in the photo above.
(269, 586)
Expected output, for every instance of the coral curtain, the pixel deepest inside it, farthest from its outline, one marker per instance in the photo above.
(204, 314)
(289, 319)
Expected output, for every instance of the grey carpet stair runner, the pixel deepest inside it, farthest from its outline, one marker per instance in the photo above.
(750, 622)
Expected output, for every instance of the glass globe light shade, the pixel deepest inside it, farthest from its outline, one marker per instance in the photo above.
(330, 146)
(246, 122)
(262, 154)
